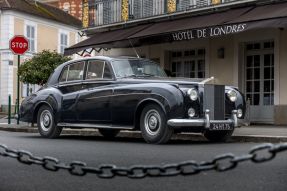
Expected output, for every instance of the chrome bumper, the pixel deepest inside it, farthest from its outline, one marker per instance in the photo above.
(203, 122)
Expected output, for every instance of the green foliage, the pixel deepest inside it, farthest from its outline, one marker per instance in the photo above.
(38, 69)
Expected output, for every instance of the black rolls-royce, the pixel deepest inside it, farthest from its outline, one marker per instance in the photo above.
(116, 93)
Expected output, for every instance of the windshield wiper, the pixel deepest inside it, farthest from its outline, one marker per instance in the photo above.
(148, 75)
(128, 76)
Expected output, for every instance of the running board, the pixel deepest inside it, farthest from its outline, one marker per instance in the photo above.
(97, 126)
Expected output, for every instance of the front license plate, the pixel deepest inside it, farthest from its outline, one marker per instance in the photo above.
(220, 126)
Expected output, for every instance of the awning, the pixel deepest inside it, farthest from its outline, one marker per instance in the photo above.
(226, 22)
(109, 39)
(196, 22)
(217, 24)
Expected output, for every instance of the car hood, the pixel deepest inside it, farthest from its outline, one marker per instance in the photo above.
(178, 81)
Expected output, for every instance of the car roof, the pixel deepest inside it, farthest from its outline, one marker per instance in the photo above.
(58, 70)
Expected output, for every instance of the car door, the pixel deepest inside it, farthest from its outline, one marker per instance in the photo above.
(70, 84)
(94, 102)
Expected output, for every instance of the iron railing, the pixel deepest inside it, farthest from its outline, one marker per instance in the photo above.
(105, 12)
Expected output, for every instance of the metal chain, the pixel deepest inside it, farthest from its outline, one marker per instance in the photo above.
(220, 163)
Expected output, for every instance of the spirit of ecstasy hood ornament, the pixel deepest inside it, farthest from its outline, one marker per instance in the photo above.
(207, 80)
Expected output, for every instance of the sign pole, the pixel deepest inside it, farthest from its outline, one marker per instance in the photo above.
(18, 45)
(18, 91)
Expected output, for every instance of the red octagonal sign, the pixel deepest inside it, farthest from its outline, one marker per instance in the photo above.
(19, 45)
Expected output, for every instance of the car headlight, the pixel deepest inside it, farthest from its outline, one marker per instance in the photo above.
(232, 95)
(193, 94)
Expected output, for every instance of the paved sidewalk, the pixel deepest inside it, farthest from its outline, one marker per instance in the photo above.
(256, 133)
(261, 133)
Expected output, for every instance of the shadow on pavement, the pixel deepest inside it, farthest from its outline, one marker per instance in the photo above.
(126, 140)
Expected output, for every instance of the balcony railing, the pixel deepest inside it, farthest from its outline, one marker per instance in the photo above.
(98, 13)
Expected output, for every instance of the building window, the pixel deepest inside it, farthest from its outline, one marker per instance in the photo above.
(188, 63)
(28, 89)
(158, 7)
(63, 42)
(66, 7)
(202, 3)
(30, 34)
(25, 90)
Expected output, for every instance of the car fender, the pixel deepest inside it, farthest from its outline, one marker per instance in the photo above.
(48, 98)
(167, 96)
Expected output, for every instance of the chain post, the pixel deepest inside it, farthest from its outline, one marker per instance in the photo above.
(248, 118)
(9, 109)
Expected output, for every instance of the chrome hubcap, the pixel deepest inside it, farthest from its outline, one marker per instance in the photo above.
(152, 122)
(46, 120)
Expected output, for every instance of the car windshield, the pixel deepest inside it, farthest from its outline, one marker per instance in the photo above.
(137, 68)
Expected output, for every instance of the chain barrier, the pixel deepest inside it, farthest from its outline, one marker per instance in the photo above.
(221, 163)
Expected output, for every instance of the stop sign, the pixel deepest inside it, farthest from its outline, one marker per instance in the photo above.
(19, 45)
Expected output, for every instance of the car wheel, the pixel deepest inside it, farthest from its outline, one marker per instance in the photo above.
(109, 133)
(46, 123)
(153, 125)
(218, 136)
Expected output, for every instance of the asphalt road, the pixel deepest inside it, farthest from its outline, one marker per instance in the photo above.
(125, 152)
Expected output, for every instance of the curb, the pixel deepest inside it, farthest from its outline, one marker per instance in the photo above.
(258, 138)
(19, 129)
(137, 134)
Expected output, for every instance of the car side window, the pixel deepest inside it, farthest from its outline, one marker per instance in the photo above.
(72, 72)
(98, 70)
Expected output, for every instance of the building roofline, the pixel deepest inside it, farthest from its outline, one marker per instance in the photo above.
(41, 10)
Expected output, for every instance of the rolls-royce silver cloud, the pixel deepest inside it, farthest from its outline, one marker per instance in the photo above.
(124, 93)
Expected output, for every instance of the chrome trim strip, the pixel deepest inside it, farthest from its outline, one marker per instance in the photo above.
(186, 122)
(88, 125)
(207, 119)
(115, 95)
(234, 118)
(202, 122)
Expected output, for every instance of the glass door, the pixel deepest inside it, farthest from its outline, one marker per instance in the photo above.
(259, 80)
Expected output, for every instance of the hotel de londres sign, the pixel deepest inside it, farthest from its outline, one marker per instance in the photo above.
(208, 32)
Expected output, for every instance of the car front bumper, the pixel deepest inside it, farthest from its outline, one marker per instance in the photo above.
(205, 122)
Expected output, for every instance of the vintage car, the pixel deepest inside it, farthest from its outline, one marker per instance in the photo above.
(124, 93)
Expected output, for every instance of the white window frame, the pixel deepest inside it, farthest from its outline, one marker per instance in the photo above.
(34, 25)
(182, 59)
(60, 33)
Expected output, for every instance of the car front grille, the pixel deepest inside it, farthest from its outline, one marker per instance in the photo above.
(214, 101)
